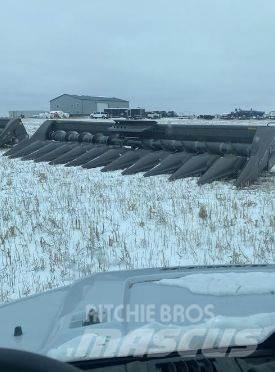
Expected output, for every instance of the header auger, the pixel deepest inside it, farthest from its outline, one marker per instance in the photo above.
(209, 151)
(12, 131)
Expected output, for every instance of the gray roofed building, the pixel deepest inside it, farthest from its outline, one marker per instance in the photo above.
(85, 105)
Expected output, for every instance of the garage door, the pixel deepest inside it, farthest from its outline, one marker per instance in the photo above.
(101, 106)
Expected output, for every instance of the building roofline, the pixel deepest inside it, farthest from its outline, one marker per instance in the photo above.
(90, 98)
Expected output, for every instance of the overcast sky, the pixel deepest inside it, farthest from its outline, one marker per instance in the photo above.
(187, 55)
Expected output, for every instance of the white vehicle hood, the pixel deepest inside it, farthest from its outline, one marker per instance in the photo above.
(54, 323)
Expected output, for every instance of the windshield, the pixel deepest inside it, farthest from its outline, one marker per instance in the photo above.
(137, 189)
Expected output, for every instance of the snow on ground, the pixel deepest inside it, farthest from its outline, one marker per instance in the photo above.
(58, 224)
(226, 284)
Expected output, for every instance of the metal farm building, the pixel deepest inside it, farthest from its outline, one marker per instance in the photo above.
(85, 105)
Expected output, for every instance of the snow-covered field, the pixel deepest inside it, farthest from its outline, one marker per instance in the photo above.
(58, 224)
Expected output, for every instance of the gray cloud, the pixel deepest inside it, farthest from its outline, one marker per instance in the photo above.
(190, 55)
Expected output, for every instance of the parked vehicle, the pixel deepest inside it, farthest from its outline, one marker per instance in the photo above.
(153, 115)
(59, 115)
(98, 115)
(206, 117)
(226, 116)
(271, 115)
(117, 112)
(173, 319)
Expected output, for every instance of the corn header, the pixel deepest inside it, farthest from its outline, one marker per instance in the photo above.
(208, 151)
(12, 131)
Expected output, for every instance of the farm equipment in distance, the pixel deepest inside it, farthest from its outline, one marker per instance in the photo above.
(210, 151)
(12, 132)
